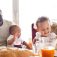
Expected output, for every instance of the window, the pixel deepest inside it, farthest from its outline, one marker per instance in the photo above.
(6, 7)
(30, 10)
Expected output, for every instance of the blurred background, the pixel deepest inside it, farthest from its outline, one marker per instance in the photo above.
(26, 12)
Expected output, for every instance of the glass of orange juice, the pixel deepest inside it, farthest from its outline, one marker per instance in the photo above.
(48, 52)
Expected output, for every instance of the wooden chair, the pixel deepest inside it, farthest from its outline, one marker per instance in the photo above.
(33, 31)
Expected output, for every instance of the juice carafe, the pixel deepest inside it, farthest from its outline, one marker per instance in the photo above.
(47, 52)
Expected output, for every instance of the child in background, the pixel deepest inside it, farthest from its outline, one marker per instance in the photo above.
(44, 27)
(14, 38)
(44, 37)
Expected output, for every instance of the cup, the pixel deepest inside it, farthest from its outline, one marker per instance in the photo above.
(47, 52)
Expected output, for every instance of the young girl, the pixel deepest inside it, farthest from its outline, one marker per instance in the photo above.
(14, 38)
(44, 28)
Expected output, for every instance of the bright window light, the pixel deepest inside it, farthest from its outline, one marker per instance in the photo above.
(30, 10)
(6, 7)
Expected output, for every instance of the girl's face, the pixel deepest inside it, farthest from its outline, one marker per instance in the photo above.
(18, 34)
(44, 28)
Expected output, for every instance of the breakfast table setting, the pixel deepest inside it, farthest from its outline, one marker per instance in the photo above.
(21, 52)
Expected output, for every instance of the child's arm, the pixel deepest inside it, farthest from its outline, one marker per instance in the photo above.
(34, 40)
(27, 45)
(10, 40)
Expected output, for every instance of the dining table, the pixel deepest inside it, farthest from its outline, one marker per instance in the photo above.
(18, 52)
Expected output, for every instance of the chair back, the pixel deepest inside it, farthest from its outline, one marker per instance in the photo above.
(33, 31)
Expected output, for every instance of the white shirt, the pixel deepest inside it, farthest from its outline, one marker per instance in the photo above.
(51, 38)
(18, 41)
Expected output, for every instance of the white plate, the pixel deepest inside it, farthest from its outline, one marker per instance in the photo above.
(2, 47)
(13, 48)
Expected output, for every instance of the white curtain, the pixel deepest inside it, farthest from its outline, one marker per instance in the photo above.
(30, 10)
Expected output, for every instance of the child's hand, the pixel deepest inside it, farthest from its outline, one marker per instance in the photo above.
(27, 45)
(34, 40)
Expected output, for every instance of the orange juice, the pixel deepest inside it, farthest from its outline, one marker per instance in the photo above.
(47, 52)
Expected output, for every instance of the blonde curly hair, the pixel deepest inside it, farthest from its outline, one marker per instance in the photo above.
(54, 28)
